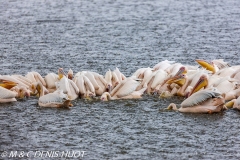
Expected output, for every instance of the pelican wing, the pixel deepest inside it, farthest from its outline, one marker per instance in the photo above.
(173, 69)
(159, 78)
(127, 88)
(101, 78)
(147, 73)
(115, 90)
(118, 73)
(108, 77)
(226, 72)
(39, 78)
(80, 84)
(225, 86)
(6, 94)
(30, 77)
(139, 72)
(199, 97)
(73, 85)
(50, 80)
(195, 78)
(88, 84)
(22, 79)
(119, 86)
(10, 78)
(163, 65)
(115, 79)
(56, 97)
(220, 63)
(92, 79)
(64, 84)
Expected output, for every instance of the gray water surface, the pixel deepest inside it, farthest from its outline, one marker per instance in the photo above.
(37, 35)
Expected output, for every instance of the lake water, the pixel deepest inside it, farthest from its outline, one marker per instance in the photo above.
(98, 35)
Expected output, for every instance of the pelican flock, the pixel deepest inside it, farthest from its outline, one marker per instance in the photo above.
(207, 87)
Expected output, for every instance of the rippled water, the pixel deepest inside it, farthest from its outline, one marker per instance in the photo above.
(100, 35)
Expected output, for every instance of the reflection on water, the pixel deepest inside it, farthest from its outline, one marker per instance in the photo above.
(100, 35)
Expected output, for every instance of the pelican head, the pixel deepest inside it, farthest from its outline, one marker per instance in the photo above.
(61, 73)
(203, 95)
(7, 84)
(182, 70)
(105, 96)
(39, 89)
(89, 95)
(229, 104)
(70, 74)
(23, 92)
(179, 79)
(202, 83)
(209, 66)
(234, 103)
(33, 89)
(165, 94)
(109, 88)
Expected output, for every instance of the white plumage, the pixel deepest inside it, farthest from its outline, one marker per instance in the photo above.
(199, 97)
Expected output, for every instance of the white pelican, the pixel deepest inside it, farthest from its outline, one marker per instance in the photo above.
(78, 80)
(220, 63)
(155, 79)
(207, 65)
(22, 79)
(125, 90)
(101, 83)
(139, 73)
(164, 86)
(204, 101)
(92, 79)
(189, 83)
(174, 69)
(163, 65)
(182, 82)
(223, 85)
(89, 86)
(56, 99)
(120, 75)
(86, 88)
(21, 92)
(236, 75)
(214, 66)
(16, 84)
(16, 80)
(226, 72)
(67, 85)
(146, 75)
(35, 77)
(232, 94)
(51, 79)
(112, 80)
(11, 87)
